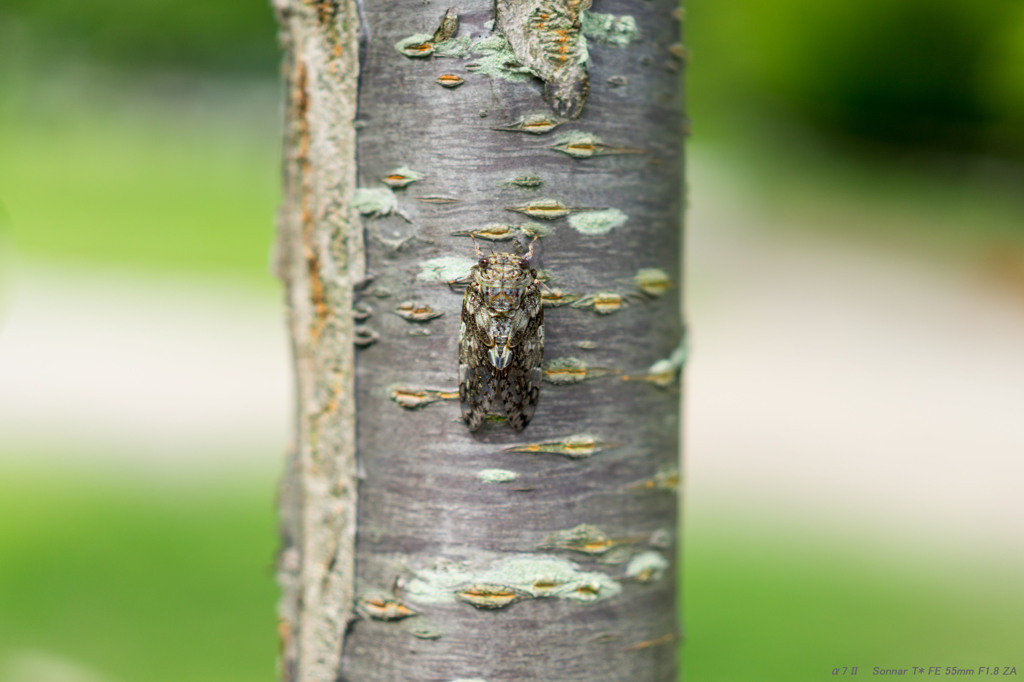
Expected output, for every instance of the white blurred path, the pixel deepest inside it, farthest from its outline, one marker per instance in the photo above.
(152, 374)
(847, 386)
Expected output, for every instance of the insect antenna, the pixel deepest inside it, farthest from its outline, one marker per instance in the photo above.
(529, 251)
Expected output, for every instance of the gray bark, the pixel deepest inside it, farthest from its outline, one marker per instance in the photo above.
(496, 555)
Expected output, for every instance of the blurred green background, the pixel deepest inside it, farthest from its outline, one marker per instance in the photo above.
(144, 137)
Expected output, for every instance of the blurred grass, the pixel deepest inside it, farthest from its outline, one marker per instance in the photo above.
(139, 583)
(764, 602)
(162, 584)
(173, 171)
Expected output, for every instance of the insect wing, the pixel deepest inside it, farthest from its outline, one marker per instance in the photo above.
(520, 383)
(476, 380)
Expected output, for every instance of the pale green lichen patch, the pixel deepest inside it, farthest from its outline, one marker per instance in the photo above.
(647, 567)
(503, 232)
(496, 475)
(571, 370)
(374, 201)
(535, 230)
(567, 370)
(401, 177)
(415, 311)
(598, 222)
(578, 144)
(534, 124)
(583, 538)
(652, 281)
(575, 446)
(497, 59)
(611, 29)
(489, 596)
(492, 43)
(455, 47)
(524, 182)
(416, 45)
(583, 145)
(543, 209)
(556, 298)
(526, 575)
(383, 606)
(661, 537)
(663, 372)
(442, 42)
(601, 302)
(445, 268)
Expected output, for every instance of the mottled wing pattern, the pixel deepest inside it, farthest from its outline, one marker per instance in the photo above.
(476, 383)
(520, 385)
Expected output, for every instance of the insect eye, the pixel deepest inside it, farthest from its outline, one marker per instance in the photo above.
(524, 264)
(483, 262)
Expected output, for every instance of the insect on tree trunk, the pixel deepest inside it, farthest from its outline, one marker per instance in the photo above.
(421, 540)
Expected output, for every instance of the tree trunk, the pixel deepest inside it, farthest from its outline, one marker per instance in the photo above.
(527, 126)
